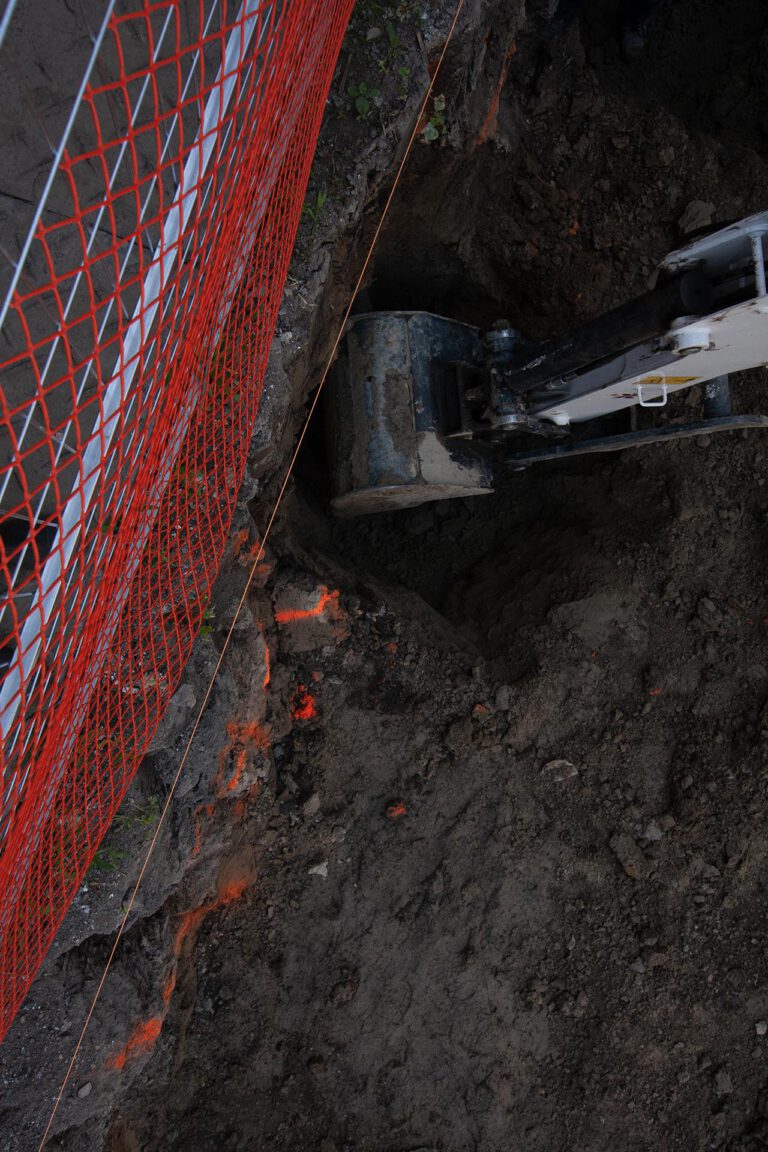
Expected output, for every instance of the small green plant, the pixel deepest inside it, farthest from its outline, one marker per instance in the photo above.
(208, 625)
(364, 99)
(107, 859)
(147, 812)
(143, 815)
(435, 128)
(314, 208)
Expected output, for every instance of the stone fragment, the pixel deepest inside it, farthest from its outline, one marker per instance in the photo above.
(723, 1082)
(629, 855)
(560, 770)
(698, 214)
(311, 806)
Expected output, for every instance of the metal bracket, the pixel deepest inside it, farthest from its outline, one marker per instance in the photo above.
(660, 403)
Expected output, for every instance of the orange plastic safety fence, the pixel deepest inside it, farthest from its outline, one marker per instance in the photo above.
(135, 335)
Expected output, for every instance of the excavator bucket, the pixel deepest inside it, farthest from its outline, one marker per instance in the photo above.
(385, 410)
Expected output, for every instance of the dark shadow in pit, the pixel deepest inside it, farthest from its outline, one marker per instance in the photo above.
(559, 216)
(705, 62)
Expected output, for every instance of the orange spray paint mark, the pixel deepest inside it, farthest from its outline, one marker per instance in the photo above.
(241, 757)
(169, 986)
(488, 128)
(328, 600)
(267, 659)
(231, 892)
(145, 1035)
(142, 1039)
(243, 740)
(201, 811)
(304, 706)
(655, 692)
(191, 921)
(239, 542)
(395, 810)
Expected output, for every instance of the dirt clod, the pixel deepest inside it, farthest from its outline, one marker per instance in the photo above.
(629, 855)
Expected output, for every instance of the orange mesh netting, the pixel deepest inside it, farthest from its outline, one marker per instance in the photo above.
(135, 327)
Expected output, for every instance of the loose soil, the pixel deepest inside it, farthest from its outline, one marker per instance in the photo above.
(473, 850)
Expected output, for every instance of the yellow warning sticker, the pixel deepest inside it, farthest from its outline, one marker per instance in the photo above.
(668, 379)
